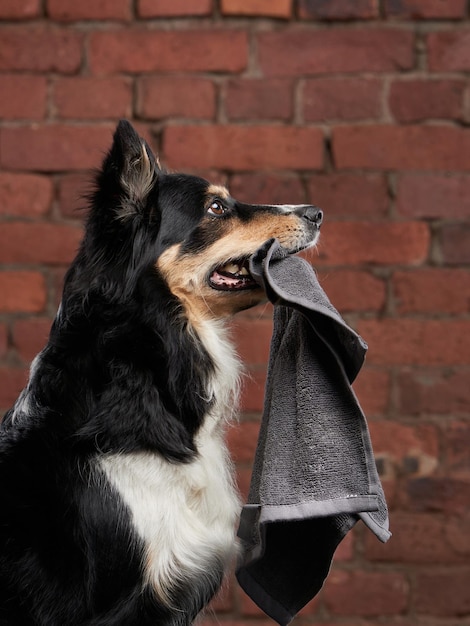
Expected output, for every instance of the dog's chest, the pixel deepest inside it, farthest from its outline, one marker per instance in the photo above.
(184, 513)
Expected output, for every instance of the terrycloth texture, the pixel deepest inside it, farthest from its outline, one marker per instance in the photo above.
(314, 474)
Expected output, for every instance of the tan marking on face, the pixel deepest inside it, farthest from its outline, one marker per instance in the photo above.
(218, 190)
(187, 274)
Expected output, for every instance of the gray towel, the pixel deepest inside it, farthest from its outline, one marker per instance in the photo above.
(314, 473)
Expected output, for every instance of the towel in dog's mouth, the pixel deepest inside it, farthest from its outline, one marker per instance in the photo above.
(232, 276)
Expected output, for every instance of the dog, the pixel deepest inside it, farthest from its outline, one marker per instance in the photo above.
(118, 503)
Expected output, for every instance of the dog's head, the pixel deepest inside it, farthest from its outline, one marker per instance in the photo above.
(191, 233)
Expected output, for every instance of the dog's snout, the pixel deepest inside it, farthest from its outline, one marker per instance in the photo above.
(312, 214)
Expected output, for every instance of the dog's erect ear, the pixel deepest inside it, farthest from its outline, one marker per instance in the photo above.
(131, 169)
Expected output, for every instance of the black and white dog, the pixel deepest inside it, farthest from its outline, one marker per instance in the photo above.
(117, 500)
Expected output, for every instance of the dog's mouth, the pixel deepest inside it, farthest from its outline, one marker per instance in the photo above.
(233, 276)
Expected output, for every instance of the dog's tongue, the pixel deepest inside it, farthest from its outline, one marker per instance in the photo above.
(226, 280)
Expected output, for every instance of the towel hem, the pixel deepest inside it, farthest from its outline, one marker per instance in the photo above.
(326, 508)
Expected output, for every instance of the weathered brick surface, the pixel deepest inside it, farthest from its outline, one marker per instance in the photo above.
(37, 243)
(425, 9)
(294, 52)
(251, 147)
(139, 50)
(167, 97)
(93, 98)
(433, 196)
(13, 10)
(40, 49)
(52, 148)
(259, 99)
(69, 10)
(27, 96)
(418, 100)
(358, 106)
(22, 291)
(342, 99)
(25, 195)
(338, 9)
(268, 8)
(402, 147)
(176, 8)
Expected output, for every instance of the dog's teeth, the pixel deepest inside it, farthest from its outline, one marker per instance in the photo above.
(244, 272)
(231, 268)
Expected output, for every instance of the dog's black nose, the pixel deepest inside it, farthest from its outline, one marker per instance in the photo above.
(312, 214)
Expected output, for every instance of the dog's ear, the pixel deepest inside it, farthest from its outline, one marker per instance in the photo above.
(129, 172)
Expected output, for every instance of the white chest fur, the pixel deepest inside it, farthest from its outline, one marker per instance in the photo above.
(186, 513)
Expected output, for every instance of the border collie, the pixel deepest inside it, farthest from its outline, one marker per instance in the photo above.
(117, 500)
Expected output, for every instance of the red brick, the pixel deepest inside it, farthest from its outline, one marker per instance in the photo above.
(14, 10)
(295, 52)
(253, 385)
(417, 342)
(22, 291)
(402, 148)
(242, 441)
(53, 148)
(53, 244)
(40, 49)
(435, 493)
(417, 100)
(253, 338)
(433, 196)
(24, 97)
(259, 99)
(373, 390)
(12, 381)
(417, 538)
(442, 593)
(30, 336)
(3, 340)
(449, 51)
(175, 8)
(342, 99)
(25, 195)
(401, 443)
(345, 550)
(347, 243)
(169, 96)
(338, 9)
(72, 189)
(351, 290)
(93, 98)
(455, 243)
(243, 148)
(138, 50)
(457, 534)
(425, 9)
(457, 445)
(349, 195)
(267, 188)
(70, 10)
(433, 391)
(257, 8)
(432, 291)
(243, 482)
(367, 594)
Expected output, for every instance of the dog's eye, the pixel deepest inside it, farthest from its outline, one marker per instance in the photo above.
(216, 209)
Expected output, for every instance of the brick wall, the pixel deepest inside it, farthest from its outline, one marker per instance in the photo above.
(359, 106)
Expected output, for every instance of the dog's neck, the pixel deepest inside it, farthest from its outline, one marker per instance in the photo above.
(224, 385)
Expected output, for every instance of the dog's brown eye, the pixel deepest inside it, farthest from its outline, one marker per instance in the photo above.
(216, 209)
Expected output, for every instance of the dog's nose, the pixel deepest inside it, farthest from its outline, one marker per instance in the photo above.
(312, 214)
